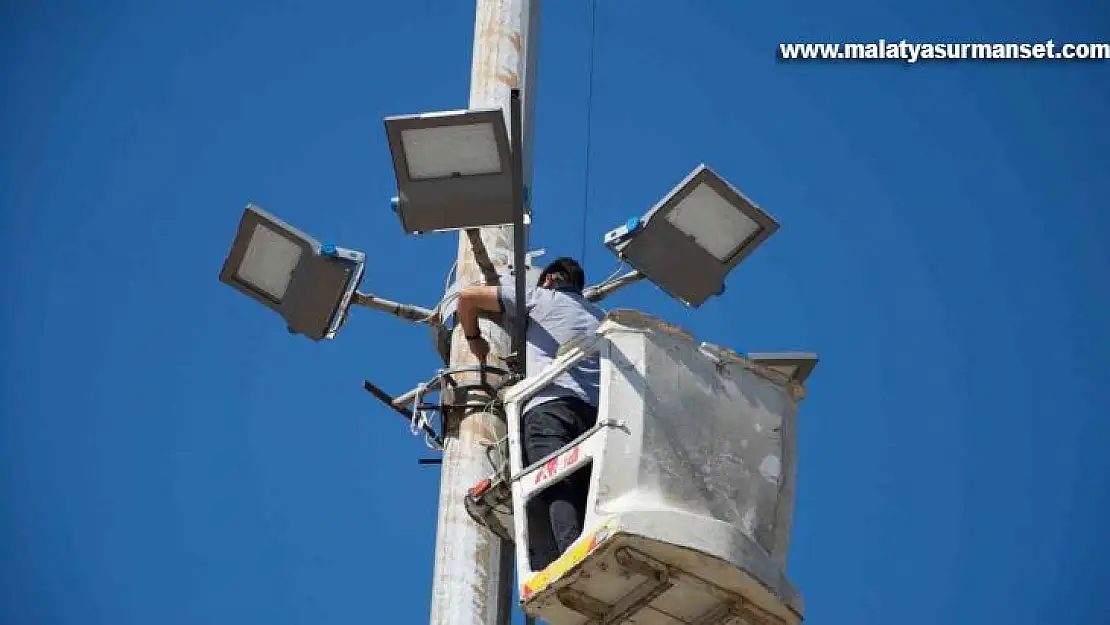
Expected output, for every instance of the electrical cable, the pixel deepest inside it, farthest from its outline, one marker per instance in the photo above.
(589, 127)
(612, 276)
(446, 299)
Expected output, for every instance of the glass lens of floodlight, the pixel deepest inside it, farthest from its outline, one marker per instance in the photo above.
(445, 151)
(715, 224)
(269, 262)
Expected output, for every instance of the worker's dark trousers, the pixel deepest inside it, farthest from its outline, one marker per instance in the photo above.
(555, 518)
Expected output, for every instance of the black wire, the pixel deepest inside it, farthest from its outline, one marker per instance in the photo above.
(589, 128)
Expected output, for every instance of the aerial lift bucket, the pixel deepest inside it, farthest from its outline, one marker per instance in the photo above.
(691, 486)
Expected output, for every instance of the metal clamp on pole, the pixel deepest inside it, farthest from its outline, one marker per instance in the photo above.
(454, 388)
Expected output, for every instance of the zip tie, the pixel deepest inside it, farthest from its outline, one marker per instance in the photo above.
(431, 444)
(418, 421)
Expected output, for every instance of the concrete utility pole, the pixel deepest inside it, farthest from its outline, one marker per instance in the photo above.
(472, 581)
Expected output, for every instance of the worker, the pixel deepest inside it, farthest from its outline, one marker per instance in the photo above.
(557, 313)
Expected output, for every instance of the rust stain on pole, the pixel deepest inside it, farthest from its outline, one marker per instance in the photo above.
(508, 78)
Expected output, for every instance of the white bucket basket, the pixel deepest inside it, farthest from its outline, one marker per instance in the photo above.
(691, 487)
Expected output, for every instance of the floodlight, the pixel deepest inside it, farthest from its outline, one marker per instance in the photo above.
(453, 170)
(795, 365)
(692, 238)
(308, 284)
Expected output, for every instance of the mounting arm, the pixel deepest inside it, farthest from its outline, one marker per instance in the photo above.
(599, 292)
(416, 314)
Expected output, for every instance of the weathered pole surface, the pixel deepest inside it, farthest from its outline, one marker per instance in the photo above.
(473, 569)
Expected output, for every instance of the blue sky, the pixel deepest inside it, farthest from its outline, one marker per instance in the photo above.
(168, 454)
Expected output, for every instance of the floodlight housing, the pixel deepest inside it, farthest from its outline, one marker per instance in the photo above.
(692, 238)
(796, 365)
(453, 170)
(310, 285)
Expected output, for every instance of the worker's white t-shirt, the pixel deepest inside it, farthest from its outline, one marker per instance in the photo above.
(557, 317)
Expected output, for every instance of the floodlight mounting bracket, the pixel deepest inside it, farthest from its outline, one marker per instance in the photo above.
(627, 229)
(329, 250)
(350, 257)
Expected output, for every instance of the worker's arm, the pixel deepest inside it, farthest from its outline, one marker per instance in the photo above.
(473, 300)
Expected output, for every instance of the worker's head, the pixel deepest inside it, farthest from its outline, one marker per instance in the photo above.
(563, 273)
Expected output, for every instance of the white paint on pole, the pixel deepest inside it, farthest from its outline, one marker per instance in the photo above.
(471, 573)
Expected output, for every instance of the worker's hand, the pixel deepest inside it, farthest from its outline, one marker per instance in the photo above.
(479, 347)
